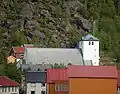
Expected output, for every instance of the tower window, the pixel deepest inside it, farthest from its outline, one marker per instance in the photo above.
(92, 43)
(89, 43)
(43, 84)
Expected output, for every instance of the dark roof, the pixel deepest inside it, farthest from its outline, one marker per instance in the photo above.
(89, 37)
(35, 67)
(56, 75)
(5, 81)
(92, 71)
(35, 77)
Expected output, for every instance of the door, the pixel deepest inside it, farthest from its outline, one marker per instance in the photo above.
(32, 92)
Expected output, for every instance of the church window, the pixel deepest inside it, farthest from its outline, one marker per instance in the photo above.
(89, 43)
(92, 43)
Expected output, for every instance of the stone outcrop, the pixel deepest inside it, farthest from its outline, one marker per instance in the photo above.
(55, 24)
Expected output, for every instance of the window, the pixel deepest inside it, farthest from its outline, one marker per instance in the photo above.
(42, 92)
(3, 89)
(56, 87)
(12, 89)
(89, 43)
(15, 89)
(8, 89)
(43, 84)
(33, 84)
(61, 87)
(22, 55)
(92, 43)
(32, 92)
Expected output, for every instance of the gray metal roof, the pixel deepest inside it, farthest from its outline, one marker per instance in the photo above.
(35, 77)
(90, 37)
(52, 56)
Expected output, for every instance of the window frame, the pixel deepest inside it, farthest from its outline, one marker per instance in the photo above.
(33, 85)
(2, 89)
(61, 87)
(15, 89)
(12, 89)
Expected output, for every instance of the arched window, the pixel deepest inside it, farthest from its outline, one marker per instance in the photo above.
(92, 43)
(89, 43)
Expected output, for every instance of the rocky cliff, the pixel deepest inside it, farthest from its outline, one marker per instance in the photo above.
(51, 23)
(59, 23)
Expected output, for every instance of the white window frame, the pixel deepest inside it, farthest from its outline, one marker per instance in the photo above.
(12, 89)
(2, 89)
(33, 84)
(61, 87)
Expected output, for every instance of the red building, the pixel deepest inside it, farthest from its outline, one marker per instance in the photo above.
(57, 81)
(8, 86)
(18, 52)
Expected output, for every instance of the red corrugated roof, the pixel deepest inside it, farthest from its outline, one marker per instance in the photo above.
(118, 80)
(56, 74)
(18, 49)
(92, 71)
(5, 81)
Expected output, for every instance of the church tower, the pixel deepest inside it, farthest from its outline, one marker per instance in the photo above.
(90, 49)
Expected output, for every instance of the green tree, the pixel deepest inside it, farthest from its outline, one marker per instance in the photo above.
(12, 72)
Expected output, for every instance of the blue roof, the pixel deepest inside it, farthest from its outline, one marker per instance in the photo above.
(35, 77)
(89, 37)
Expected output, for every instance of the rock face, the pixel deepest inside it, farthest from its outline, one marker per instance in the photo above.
(54, 23)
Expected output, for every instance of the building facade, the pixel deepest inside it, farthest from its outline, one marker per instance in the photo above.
(11, 59)
(8, 86)
(57, 81)
(92, 79)
(35, 82)
(90, 49)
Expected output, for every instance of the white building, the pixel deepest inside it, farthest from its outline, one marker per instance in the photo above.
(87, 53)
(35, 82)
(90, 49)
(8, 86)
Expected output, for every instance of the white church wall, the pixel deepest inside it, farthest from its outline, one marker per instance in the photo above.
(91, 51)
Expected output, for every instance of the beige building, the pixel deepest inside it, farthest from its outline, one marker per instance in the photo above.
(11, 59)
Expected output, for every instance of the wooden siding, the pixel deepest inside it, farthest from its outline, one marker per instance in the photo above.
(51, 88)
(92, 86)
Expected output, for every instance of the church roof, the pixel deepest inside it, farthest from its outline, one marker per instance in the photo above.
(53, 55)
(89, 37)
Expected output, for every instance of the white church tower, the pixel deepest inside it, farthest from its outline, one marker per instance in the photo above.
(90, 49)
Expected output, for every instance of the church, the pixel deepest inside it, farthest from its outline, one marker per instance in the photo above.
(86, 52)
